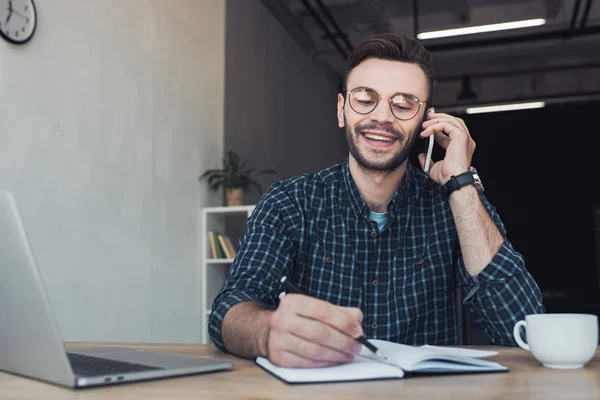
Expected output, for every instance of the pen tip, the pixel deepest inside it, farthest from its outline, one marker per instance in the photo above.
(380, 354)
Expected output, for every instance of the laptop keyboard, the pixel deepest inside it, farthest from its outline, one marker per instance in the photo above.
(97, 366)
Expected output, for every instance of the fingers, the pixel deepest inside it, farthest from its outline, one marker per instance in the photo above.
(441, 127)
(337, 317)
(421, 158)
(460, 121)
(307, 332)
(288, 359)
(442, 139)
(451, 121)
(354, 313)
(314, 331)
(434, 118)
(446, 129)
(282, 343)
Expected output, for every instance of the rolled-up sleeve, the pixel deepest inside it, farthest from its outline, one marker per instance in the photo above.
(503, 292)
(266, 245)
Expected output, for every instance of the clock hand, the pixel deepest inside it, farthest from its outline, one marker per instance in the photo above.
(8, 17)
(19, 14)
(10, 11)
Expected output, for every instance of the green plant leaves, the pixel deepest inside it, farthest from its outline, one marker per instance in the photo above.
(234, 175)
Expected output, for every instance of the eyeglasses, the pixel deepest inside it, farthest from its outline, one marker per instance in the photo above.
(404, 106)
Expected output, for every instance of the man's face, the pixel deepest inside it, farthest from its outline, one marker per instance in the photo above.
(379, 141)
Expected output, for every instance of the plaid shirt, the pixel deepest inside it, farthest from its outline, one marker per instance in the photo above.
(315, 228)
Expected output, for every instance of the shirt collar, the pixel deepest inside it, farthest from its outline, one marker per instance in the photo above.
(359, 205)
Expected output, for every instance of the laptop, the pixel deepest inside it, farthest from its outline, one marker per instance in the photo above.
(31, 344)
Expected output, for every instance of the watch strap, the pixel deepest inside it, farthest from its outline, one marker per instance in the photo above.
(459, 181)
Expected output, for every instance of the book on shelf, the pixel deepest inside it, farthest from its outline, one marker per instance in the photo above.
(230, 247)
(226, 249)
(215, 246)
(220, 246)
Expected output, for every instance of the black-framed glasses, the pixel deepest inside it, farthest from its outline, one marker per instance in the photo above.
(404, 106)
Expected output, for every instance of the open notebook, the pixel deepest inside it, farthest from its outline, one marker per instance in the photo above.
(403, 360)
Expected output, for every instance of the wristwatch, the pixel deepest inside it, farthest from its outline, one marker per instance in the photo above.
(471, 177)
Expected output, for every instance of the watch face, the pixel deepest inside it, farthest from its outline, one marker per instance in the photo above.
(478, 183)
(17, 20)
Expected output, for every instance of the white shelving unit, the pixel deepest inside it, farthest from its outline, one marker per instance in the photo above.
(213, 271)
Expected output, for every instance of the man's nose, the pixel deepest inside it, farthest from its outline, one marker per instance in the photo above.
(383, 112)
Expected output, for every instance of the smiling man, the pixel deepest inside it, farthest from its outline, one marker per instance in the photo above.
(377, 245)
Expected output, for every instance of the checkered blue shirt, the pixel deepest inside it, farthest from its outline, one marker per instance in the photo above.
(315, 229)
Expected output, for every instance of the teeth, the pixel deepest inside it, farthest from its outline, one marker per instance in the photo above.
(377, 137)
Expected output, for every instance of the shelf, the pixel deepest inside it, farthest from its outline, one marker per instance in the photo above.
(229, 210)
(219, 260)
(213, 270)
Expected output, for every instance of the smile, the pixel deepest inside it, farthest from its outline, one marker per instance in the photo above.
(378, 137)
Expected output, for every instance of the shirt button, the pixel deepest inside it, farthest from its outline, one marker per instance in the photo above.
(328, 260)
(374, 234)
(375, 282)
(374, 326)
(421, 261)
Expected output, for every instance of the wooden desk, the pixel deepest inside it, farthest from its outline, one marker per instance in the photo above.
(527, 379)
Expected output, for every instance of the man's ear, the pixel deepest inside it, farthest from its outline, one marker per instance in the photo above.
(340, 110)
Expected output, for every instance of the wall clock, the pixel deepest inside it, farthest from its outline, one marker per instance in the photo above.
(18, 19)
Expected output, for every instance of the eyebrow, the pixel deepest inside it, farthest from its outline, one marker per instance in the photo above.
(395, 94)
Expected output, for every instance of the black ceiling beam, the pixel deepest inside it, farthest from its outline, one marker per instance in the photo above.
(574, 16)
(586, 14)
(524, 71)
(498, 41)
(326, 32)
(287, 20)
(416, 17)
(549, 99)
(335, 25)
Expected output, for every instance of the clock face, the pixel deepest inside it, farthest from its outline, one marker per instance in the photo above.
(17, 20)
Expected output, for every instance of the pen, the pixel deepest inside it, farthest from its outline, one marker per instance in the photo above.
(293, 288)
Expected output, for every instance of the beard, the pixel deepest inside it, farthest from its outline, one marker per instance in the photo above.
(406, 143)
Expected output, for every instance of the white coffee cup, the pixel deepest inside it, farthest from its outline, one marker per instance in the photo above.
(564, 341)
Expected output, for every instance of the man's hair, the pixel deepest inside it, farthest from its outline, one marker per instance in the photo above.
(388, 46)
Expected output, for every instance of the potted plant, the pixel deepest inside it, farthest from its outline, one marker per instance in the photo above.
(235, 178)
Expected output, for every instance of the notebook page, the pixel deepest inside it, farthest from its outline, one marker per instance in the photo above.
(400, 354)
(359, 369)
(410, 357)
(437, 366)
(458, 351)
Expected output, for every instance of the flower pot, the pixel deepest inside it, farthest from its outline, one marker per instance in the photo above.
(235, 196)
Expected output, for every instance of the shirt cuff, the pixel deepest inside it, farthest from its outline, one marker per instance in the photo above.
(218, 314)
(505, 264)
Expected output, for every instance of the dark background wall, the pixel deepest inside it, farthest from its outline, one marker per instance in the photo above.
(541, 170)
(280, 107)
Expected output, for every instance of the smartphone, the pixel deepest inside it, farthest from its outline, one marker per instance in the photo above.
(428, 154)
(429, 151)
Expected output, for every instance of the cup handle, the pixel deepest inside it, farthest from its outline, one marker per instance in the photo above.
(517, 334)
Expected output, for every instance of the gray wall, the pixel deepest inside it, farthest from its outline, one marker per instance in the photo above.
(280, 109)
(107, 117)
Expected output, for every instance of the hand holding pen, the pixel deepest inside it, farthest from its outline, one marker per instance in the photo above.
(308, 332)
